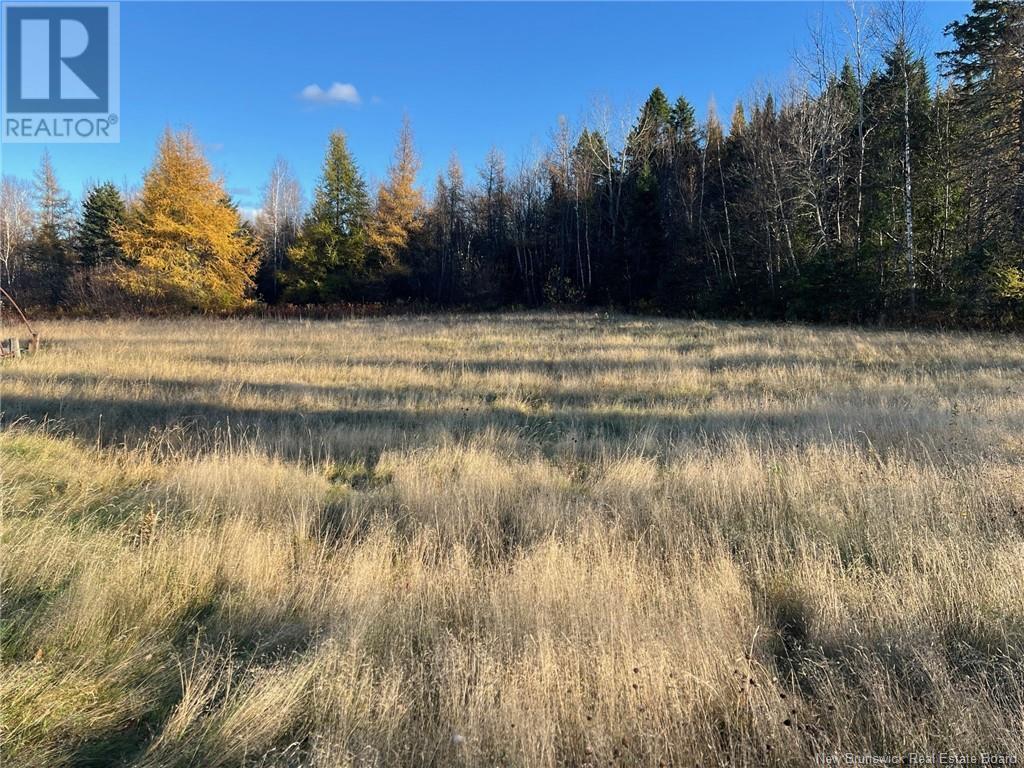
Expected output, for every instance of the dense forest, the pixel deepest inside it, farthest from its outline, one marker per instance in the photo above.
(867, 192)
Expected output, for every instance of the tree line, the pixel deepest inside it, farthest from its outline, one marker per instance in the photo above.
(867, 192)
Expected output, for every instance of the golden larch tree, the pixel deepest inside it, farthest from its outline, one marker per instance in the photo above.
(395, 215)
(183, 240)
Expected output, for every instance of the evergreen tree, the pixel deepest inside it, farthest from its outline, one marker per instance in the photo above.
(184, 240)
(103, 212)
(899, 103)
(682, 283)
(49, 256)
(649, 168)
(328, 261)
(987, 64)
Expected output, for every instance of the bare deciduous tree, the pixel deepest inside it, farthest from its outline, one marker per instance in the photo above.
(16, 220)
(277, 222)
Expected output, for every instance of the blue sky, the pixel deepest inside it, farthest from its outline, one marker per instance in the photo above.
(470, 76)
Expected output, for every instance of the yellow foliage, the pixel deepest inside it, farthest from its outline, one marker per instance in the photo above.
(1009, 282)
(398, 201)
(183, 240)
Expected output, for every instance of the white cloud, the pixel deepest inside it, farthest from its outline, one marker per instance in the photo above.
(338, 93)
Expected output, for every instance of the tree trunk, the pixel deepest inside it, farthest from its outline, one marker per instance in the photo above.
(908, 208)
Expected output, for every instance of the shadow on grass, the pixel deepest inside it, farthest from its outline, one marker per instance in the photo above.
(378, 423)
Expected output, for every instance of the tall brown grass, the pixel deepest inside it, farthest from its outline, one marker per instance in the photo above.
(509, 540)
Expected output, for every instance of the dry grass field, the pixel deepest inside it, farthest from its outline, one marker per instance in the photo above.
(513, 540)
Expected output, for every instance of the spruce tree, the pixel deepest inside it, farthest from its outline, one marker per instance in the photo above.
(683, 217)
(103, 211)
(987, 64)
(328, 261)
(899, 103)
(648, 165)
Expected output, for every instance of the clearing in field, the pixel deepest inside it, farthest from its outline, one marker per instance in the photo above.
(527, 540)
